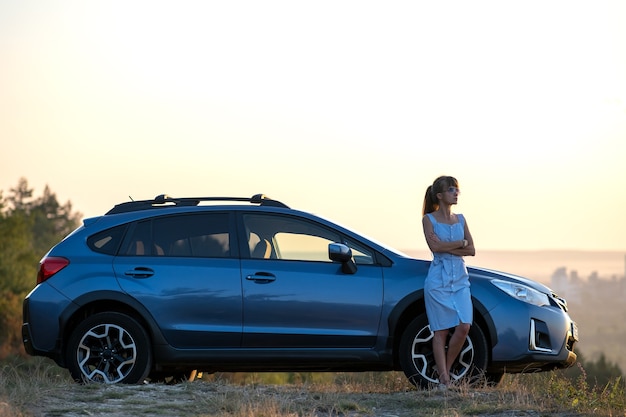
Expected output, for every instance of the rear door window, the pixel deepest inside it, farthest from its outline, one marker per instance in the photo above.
(204, 235)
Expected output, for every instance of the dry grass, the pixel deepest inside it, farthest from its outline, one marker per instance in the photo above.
(39, 388)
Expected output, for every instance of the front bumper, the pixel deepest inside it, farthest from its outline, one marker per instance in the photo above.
(532, 338)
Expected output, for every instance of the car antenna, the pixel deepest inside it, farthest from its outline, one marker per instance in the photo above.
(131, 199)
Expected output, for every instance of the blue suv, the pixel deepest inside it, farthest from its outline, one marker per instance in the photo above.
(158, 288)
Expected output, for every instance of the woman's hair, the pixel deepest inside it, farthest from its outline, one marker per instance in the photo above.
(441, 184)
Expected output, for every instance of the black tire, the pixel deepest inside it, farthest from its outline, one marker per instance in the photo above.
(109, 348)
(418, 362)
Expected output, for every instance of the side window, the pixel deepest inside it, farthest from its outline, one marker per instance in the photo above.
(198, 235)
(302, 247)
(191, 235)
(141, 240)
(108, 241)
(288, 238)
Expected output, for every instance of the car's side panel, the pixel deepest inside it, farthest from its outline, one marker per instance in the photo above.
(196, 301)
(310, 304)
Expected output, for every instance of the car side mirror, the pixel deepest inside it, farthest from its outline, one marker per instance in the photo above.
(338, 252)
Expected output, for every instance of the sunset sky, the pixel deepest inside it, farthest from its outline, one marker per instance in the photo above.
(348, 109)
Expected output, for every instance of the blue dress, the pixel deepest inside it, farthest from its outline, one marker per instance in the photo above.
(447, 288)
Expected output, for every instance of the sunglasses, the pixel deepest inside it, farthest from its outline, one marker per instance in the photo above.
(454, 190)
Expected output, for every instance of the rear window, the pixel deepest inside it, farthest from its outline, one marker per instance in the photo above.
(108, 241)
(197, 235)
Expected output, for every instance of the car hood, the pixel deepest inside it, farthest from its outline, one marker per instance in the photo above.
(489, 274)
(492, 274)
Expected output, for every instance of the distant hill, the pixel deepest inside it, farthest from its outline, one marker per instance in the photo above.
(540, 265)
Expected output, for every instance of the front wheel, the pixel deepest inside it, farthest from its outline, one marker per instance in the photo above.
(109, 348)
(418, 362)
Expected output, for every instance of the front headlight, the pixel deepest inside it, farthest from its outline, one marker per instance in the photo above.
(522, 292)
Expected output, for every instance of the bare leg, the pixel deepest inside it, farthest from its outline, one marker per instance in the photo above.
(455, 345)
(439, 351)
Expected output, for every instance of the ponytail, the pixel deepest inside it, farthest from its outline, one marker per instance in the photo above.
(430, 201)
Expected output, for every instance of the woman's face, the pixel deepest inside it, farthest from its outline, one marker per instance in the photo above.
(450, 194)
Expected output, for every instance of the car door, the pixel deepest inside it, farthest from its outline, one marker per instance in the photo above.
(295, 297)
(181, 269)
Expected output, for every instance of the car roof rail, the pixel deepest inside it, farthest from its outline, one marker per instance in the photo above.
(163, 200)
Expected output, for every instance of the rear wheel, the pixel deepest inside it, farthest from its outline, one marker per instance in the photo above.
(109, 348)
(418, 362)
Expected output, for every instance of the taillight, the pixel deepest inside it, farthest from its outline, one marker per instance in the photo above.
(50, 266)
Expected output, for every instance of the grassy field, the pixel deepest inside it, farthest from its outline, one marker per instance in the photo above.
(37, 387)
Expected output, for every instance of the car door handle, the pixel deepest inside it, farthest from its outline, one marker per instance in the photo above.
(139, 272)
(261, 277)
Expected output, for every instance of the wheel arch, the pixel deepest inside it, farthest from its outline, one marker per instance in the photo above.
(105, 301)
(402, 314)
(413, 305)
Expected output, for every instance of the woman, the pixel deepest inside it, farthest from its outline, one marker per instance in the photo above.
(447, 288)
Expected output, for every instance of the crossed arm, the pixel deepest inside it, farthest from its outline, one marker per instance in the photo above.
(463, 247)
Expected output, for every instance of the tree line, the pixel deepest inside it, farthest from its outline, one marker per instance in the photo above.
(30, 226)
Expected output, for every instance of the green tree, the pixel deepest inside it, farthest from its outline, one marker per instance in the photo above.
(602, 371)
(20, 196)
(29, 227)
(17, 259)
(596, 373)
(51, 221)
